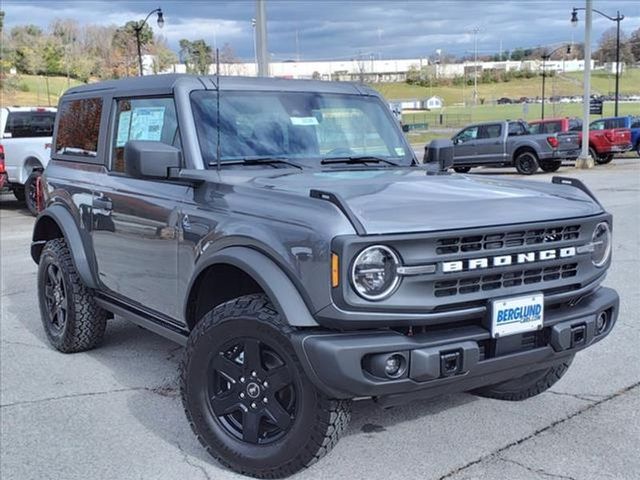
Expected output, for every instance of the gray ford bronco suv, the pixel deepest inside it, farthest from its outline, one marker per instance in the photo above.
(284, 232)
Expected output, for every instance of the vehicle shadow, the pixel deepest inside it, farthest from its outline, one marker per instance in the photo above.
(10, 203)
(149, 365)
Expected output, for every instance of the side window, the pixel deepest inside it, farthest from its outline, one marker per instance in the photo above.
(143, 119)
(598, 125)
(575, 125)
(468, 134)
(29, 124)
(489, 131)
(79, 127)
(614, 123)
(534, 128)
(635, 123)
(515, 129)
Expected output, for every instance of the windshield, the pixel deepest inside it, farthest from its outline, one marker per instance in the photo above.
(300, 126)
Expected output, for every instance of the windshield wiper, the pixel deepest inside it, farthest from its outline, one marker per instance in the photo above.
(357, 159)
(266, 160)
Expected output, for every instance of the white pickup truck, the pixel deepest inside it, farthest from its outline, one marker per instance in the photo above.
(26, 148)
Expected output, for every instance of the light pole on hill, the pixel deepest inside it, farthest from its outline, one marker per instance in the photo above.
(618, 18)
(138, 29)
(545, 57)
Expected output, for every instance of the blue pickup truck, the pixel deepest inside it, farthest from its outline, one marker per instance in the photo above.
(628, 121)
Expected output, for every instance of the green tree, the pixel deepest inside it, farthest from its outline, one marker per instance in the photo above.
(125, 43)
(196, 56)
(164, 57)
(634, 44)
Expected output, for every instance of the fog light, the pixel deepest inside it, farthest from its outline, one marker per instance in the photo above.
(393, 365)
(601, 322)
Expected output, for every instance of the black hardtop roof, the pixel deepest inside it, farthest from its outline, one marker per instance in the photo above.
(167, 82)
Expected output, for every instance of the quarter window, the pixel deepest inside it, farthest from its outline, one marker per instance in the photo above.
(79, 127)
(143, 119)
(29, 124)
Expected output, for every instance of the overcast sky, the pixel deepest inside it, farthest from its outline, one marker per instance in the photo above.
(328, 29)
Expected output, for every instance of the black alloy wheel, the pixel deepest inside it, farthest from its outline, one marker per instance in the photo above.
(526, 163)
(251, 391)
(55, 294)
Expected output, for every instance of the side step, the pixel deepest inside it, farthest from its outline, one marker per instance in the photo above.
(144, 320)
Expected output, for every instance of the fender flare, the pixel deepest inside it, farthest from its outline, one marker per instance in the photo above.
(71, 233)
(272, 279)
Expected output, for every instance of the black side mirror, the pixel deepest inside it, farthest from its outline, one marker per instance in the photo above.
(150, 159)
(440, 151)
(405, 128)
(455, 140)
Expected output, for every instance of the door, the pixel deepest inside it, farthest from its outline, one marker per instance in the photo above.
(464, 146)
(136, 221)
(490, 144)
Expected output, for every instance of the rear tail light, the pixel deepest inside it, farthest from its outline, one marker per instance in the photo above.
(553, 141)
(2, 167)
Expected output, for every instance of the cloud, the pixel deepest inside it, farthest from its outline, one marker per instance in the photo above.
(325, 29)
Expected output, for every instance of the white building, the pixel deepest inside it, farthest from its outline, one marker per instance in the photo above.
(372, 71)
(434, 103)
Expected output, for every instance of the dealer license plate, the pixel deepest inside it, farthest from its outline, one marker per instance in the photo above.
(517, 315)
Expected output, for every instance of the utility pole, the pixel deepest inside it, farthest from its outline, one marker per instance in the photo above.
(261, 38)
(585, 160)
(475, 65)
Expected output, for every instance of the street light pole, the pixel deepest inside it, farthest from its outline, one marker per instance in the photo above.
(585, 160)
(138, 29)
(475, 65)
(618, 18)
(545, 57)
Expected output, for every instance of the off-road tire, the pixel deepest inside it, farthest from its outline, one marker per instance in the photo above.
(528, 386)
(604, 159)
(85, 321)
(526, 163)
(461, 169)
(316, 424)
(550, 166)
(30, 192)
(18, 192)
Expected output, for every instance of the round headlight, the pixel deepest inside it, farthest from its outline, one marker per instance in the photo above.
(373, 274)
(601, 241)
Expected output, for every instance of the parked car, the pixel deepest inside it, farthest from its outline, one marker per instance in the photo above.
(509, 144)
(26, 146)
(605, 138)
(628, 121)
(285, 233)
(504, 101)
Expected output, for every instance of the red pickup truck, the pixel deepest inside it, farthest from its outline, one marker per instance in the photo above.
(604, 142)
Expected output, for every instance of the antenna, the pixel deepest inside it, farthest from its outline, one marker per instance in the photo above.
(218, 108)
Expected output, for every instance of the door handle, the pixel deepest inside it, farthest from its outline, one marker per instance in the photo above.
(102, 203)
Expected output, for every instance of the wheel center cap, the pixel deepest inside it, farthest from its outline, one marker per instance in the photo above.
(253, 390)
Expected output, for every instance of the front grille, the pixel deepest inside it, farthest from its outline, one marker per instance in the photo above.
(495, 281)
(512, 238)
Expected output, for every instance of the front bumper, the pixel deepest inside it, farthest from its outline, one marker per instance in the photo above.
(335, 361)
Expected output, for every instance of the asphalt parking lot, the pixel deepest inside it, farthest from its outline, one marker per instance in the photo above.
(115, 412)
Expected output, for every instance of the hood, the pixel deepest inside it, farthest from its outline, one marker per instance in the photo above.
(408, 200)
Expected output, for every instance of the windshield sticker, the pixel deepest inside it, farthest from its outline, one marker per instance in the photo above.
(123, 128)
(146, 123)
(304, 121)
(399, 151)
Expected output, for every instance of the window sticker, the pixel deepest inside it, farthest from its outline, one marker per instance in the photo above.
(304, 121)
(124, 123)
(399, 151)
(147, 123)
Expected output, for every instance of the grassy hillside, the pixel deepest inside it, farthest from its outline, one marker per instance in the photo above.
(31, 90)
(569, 84)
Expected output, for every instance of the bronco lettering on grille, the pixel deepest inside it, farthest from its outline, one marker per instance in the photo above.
(506, 260)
